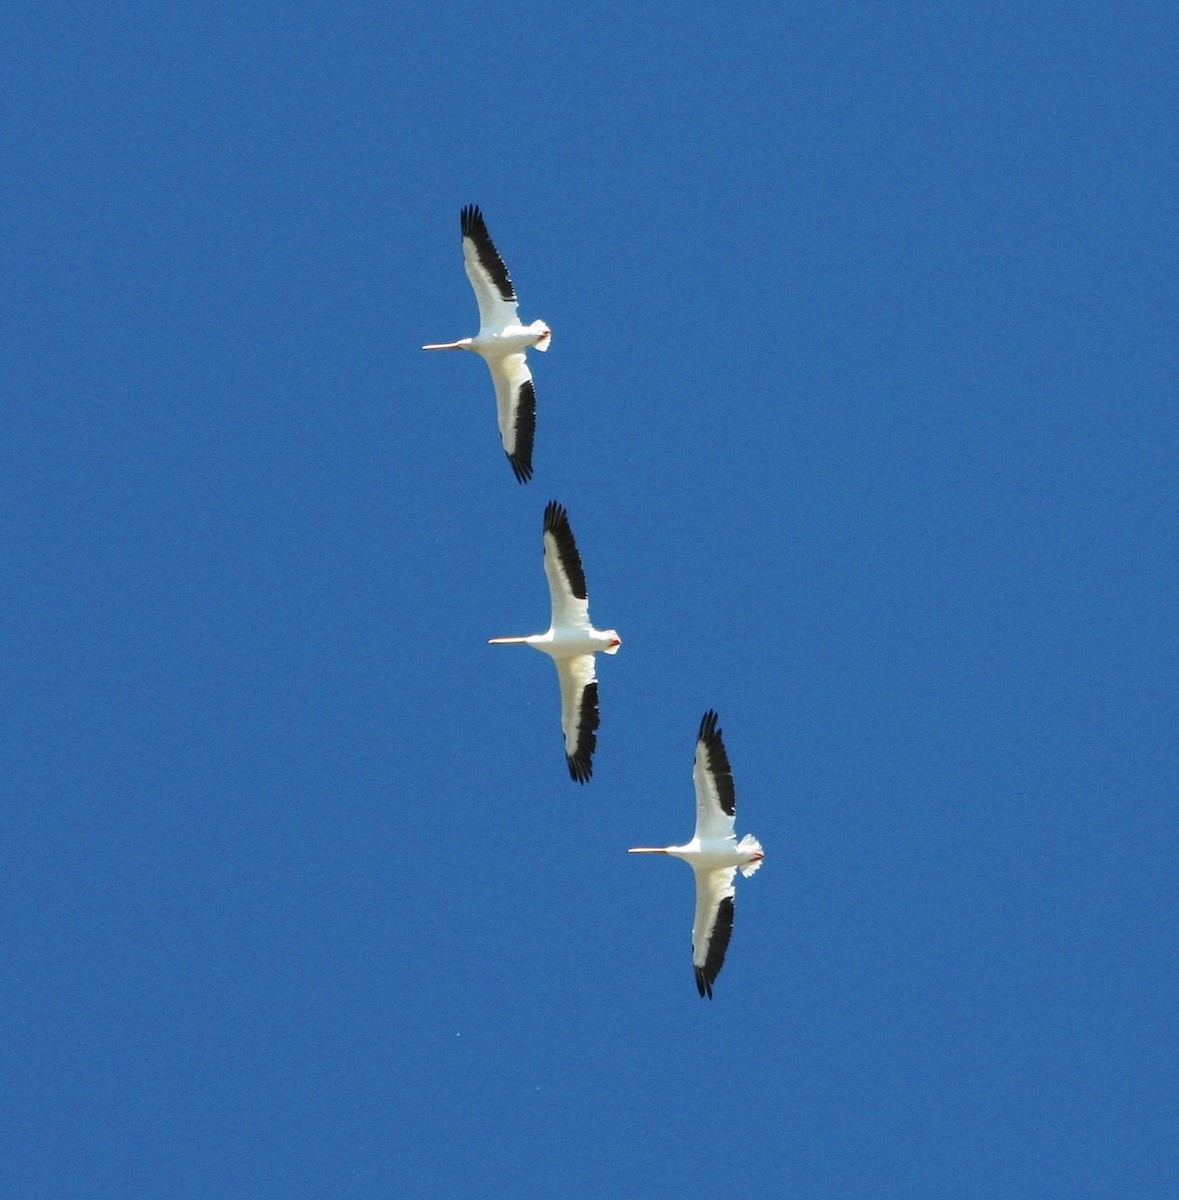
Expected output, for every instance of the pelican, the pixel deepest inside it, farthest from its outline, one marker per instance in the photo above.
(502, 341)
(714, 854)
(571, 641)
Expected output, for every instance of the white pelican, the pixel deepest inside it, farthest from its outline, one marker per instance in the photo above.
(502, 341)
(714, 854)
(571, 641)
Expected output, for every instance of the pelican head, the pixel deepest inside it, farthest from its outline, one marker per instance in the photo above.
(461, 344)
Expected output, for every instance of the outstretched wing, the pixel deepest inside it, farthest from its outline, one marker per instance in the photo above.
(713, 925)
(485, 269)
(713, 777)
(579, 713)
(562, 565)
(515, 402)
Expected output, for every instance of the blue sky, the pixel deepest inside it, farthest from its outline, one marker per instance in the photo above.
(861, 398)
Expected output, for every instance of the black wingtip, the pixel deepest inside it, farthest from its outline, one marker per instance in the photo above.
(580, 767)
(524, 432)
(703, 986)
(718, 945)
(718, 761)
(521, 467)
(556, 522)
(475, 228)
(472, 221)
(580, 762)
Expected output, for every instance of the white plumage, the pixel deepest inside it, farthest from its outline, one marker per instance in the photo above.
(714, 854)
(571, 641)
(501, 341)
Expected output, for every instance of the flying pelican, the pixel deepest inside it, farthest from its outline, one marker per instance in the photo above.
(502, 341)
(714, 854)
(571, 641)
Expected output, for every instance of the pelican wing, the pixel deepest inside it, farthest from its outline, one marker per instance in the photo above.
(713, 925)
(713, 777)
(579, 713)
(562, 565)
(515, 402)
(486, 271)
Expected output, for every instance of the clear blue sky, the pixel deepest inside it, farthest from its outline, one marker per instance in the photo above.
(862, 400)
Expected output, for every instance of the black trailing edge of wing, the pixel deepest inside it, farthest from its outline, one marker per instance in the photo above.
(580, 763)
(525, 432)
(475, 228)
(718, 762)
(718, 943)
(556, 522)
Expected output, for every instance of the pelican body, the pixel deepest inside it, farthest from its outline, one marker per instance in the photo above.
(571, 641)
(501, 342)
(714, 854)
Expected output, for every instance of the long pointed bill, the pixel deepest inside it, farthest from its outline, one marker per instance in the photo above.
(646, 850)
(445, 346)
(507, 641)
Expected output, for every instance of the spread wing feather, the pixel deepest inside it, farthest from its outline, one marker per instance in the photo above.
(713, 777)
(713, 925)
(485, 269)
(562, 566)
(515, 402)
(579, 713)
